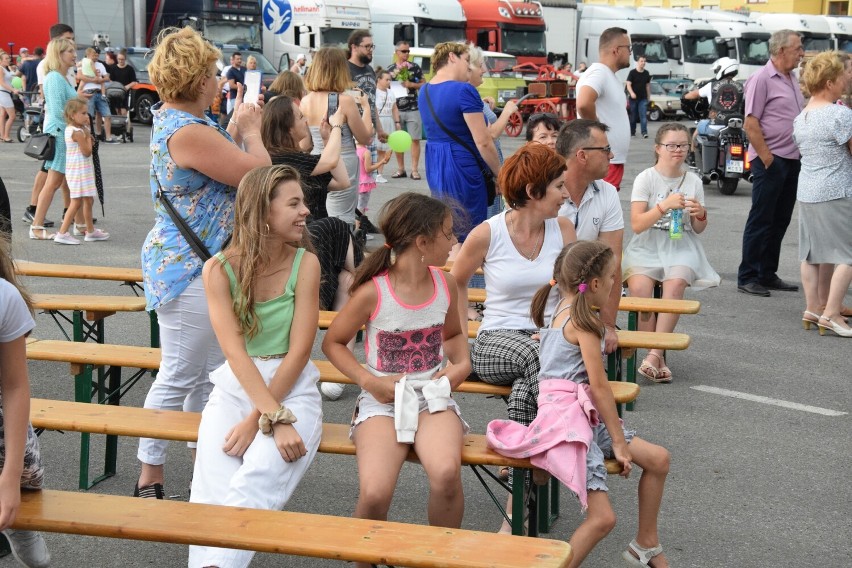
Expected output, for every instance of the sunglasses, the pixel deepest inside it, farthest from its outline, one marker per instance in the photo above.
(542, 115)
(607, 149)
(404, 50)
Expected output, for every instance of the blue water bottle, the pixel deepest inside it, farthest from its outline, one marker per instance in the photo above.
(676, 225)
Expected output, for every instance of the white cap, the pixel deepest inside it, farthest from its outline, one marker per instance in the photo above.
(300, 56)
(23, 50)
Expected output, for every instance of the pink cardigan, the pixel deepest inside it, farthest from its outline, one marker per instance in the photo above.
(558, 439)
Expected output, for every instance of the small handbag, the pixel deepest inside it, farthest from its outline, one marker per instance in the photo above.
(487, 174)
(40, 146)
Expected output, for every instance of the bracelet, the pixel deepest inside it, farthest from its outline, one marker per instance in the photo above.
(663, 213)
(702, 218)
(333, 126)
(234, 122)
(280, 416)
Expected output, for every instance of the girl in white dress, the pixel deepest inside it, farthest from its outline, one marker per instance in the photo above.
(652, 256)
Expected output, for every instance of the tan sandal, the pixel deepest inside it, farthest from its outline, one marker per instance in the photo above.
(661, 374)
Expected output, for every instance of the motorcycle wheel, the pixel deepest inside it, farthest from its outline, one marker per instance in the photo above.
(727, 186)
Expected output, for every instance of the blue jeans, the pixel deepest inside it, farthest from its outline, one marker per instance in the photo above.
(773, 196)
(638, 113)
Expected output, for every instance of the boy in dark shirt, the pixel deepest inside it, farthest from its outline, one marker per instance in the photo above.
(639, 89)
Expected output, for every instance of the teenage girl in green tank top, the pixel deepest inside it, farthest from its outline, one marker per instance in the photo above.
(262, 425)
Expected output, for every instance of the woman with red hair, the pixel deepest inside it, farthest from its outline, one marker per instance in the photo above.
(516, 250)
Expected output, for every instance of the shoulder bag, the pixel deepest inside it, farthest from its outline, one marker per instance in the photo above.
(487, 174)
(40, 146)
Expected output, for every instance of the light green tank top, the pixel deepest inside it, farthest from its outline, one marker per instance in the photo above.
(274, 316)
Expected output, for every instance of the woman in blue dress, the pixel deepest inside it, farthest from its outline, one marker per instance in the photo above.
(452, 171)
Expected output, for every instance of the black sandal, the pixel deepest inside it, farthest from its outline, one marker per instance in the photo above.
(399, 174)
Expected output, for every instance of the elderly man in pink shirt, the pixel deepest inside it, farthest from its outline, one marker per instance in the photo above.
(773, 100)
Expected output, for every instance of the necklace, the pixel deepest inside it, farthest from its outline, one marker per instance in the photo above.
(535, 247)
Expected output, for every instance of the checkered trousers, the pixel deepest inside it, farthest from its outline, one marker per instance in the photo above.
(510, 357)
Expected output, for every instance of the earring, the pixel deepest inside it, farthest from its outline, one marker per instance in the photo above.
(422, 258)
(267, 230)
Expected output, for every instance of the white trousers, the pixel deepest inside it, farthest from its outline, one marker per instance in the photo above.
(260, 479)
(190, 352)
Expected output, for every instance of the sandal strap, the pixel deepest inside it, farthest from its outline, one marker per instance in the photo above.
(645, 554)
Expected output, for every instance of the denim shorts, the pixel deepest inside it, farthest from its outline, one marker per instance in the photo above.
(600, 449)
(366, 406)
(98, 104)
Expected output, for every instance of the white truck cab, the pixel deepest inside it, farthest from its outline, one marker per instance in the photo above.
(293, 27)
(645, 35)
(816, 35)
(745, 40)
(421, 24)
(841, 31)
(692, 45)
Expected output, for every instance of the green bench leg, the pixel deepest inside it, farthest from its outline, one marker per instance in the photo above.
(548, 505)
(518, 478)
(83, 393)
(632, 324)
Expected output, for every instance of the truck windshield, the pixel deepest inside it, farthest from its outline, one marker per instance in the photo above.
(753, 51)
(816, 43)
(844, 43)
(501, 65)
(335, 36)
(430, 36)
(238, 33)
(652, 49)
(700, 49)
(526, 42)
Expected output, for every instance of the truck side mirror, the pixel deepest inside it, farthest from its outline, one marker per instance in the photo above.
(403, 32)
(492, 40)
(673, 50)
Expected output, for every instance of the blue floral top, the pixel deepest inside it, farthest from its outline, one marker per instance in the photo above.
(168, 262)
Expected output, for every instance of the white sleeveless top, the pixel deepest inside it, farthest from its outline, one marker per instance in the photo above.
(402, 338)
(511, 280)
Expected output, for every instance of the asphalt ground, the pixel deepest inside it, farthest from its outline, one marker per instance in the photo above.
(752, 484)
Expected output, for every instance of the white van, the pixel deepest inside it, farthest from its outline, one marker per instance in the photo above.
(692, 45)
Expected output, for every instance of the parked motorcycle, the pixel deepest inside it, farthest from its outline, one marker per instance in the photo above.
(720, 150)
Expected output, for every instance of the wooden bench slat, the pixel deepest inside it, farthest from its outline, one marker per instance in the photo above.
(284, 532)
(148, 358)
(629, 339)
(622, 391)
(659, 305)
(29, 268)
(183, 427)
(75, 302)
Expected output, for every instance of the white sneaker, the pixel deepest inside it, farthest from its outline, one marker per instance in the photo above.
(332, 391)
(96, 235)
(381, 179)
(78, 232)
(28, 548)
(65, 239)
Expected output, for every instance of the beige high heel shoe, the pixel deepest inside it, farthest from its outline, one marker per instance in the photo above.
(42, 235)
(835, 327)
(809, 319)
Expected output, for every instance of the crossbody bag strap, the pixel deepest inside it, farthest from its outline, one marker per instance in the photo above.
(197, 246)
(455, 138)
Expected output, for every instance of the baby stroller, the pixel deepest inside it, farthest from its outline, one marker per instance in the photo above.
(32, 116)
(118, 98)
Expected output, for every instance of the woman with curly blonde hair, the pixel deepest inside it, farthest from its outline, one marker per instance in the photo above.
(195, 166)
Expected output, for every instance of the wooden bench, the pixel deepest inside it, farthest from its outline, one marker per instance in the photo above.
(84, 357)
(126, 276)
(89, 308)
(282, 532)
(183, 426)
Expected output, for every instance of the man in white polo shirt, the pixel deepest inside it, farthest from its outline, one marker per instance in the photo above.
(593, 204)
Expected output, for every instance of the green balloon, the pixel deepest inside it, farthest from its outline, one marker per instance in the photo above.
(399, 141)
(17, 83)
